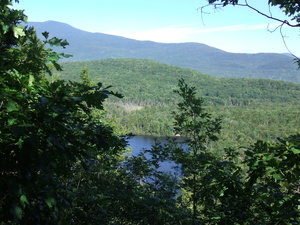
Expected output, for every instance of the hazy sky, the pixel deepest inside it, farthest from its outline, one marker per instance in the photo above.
(233, 29)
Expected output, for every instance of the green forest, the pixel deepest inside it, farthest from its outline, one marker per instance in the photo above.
(251, 109)
(65, 126)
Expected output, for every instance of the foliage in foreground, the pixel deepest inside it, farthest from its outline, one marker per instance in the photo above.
(261, 188)
(47, 128)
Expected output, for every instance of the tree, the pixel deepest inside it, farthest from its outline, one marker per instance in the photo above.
(84, 76)
(273, 181)
(260, 186)
(290, 8)
(47, 128)
(194, 123)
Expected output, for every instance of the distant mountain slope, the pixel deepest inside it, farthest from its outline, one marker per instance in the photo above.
(147, 81)
(92, 46)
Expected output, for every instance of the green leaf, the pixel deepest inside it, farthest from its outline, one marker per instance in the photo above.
(45, 34)
(11, 106)
(57, 66)
(18, 31)
(20, 142)
(295, 150)
(11, 121)
(31, 80)
(53, 57)
(216, 218)
(271, 169)
(23, 200)
(258, 154)
(17, 212)
(50, 202)
(277, 176)
(267, 158)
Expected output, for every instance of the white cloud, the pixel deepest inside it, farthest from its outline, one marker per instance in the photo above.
(235, 38)
(240, 27)
(164, 35)
(185, 33)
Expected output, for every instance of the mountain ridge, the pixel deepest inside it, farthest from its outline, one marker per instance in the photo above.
(144, 80)
(203, 58)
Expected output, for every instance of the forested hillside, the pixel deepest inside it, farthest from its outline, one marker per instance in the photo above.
(251, 108)
(153, 82)
(200, 57)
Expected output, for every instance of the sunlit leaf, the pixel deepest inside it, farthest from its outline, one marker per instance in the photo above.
(295, 150)
(271, 169)
(18, 31)
(31, 80)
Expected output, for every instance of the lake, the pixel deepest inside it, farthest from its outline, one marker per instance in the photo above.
(140, 142)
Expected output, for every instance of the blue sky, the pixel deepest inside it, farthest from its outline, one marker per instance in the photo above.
(233, 29)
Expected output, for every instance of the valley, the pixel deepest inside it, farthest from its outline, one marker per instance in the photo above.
(250, 108)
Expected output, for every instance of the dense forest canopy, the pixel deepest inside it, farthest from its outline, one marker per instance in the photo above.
(61, 161)
(251, 108)
(151, 81)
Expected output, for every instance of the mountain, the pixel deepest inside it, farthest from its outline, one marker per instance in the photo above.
(93, 46)
(145, 81)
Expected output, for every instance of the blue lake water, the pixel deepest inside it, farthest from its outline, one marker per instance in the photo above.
(140, 142)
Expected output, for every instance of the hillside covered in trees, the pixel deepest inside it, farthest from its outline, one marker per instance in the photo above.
(251, 108)
(146, 80)
(64, 157)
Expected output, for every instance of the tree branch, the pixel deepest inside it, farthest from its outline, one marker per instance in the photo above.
(218, 6)
(269, 16)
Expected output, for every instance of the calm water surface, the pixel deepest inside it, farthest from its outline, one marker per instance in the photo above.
(140, 142)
